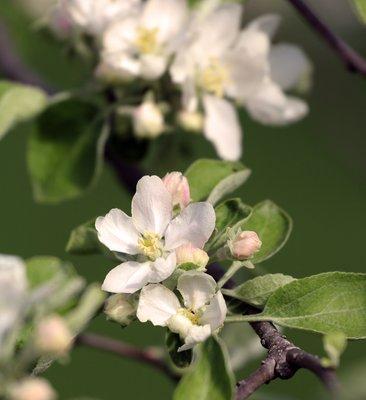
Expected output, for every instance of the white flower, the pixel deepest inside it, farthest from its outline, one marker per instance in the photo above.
(148, 120)
(93, 16)
(203, 312)
(151, 235)
(32, 389)
(13, 285)
(141, 44)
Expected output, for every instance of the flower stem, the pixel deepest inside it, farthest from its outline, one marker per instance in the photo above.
(233, 269)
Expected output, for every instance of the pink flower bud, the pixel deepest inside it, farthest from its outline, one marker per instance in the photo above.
(52, 336)
(178, 186)
(32, 389)
(190, 254)
(245, 245)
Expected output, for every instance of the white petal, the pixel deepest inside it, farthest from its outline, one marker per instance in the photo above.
(289, 65)
(120, 35)
(13, 281)
(196, 288)
(197, 334)
(157, 304)
(272, 107)
(151, 205)
(152, 66)
(162, 268)
(222, 127)
(168, 16)
(127, 277)
(215, 312)
(267, 23)
(117, 231)
(194, 225)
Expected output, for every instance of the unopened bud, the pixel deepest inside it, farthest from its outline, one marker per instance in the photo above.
(52, 336)
(190, 254)
(191, 120)
(121, 308)
(178, 186)
(148, 120)
(245, 245)
(32, 389)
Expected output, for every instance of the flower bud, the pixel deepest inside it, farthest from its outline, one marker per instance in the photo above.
(245, 245)
(148, 120)
(191, 120)
(178, 186)
(32, 389)
(52, 336)
(120, 308)
(190, 254)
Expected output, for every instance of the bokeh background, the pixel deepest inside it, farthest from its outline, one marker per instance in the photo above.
(315, 170)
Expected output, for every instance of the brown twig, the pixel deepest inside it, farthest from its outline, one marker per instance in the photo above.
(146, 356)
(352, 60)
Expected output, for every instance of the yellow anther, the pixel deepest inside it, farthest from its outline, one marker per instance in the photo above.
(189, 314)
(150, 245)
(147, 40)
(213, 78)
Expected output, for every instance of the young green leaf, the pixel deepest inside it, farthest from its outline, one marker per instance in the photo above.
(320, 303)
(210, 377)
(257, 290)
(214, 179)
(18, 103)
(66, 149)
(272, 225)
(335, 344)
(180, 359)
(360, 9)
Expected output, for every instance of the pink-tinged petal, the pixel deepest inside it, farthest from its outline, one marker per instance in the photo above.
(194, 224)
(117, 231)
(222, 127)
(162, 268)
(196, 288)
(128, 277)
(215, 312)
(157, 304)
(151, 206)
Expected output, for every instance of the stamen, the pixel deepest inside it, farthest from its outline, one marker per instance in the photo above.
(146, 40)
(213, 77)
(150, 245)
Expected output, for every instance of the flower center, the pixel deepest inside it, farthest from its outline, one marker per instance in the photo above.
(150, 245)
(213, 77)
(147, 40)
(190, 315)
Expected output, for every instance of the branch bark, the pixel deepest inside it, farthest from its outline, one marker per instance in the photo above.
(351, 59)
(145, 356)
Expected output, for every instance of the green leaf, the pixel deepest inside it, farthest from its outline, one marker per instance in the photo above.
(84, 240)
(180, 359)
(272, 225)
(42, 269)
(210, 377)
(321, 303)
(335, 344)
(65, 152)
(18, 103)
(257, 290)
(360, 9)
(213, 179)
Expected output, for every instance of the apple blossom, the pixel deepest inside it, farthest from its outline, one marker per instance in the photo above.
(148, 120)
(150, 237)
(93, 16)
(190, 254)
(120, 308)
(203, 311)
(32, 389)
(141, 44)
(52, 336)
(177, 185)
(245, 245)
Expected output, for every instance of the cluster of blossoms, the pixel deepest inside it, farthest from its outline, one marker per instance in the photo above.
(215, 64)
(161, 246)
(51, 337)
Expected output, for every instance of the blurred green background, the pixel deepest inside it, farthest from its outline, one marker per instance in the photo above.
(315, 170)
